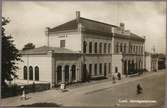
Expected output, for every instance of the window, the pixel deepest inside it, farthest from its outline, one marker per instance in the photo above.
(133, 48)
(130, 49)
(90, 69)
(96, 47)
(25, 72)
(109, 68)
(125, 48)
(90, 47)
(73, 69)
(30, 73)
(121, 47)
(141, 49)
(117, 47)
(100, 46)
(95, 68)
(100, 68)
(105, 45)
(105, 68)
(37, 73)
(62, 43)
(84, 46)
(59, 73)
(109, 47)
(136, 49)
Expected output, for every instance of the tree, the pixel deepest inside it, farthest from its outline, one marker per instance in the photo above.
(29, 46)
(10, 54)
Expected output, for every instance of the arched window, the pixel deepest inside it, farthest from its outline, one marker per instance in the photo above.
(84, 46)
(100, 68)
(105, 47)
(25, 72)
(121, 47)
(66, 70)
(95, 47)
(90, 47)
(133, 48)
(109, 47)
(105, 69)
(95, 68)
(90, 69)
(36, 73)
(59, 74)
(73, 69)
(141, 49)
(117, 47)
(30, 73)
(100, 46)
(136, 49)
(125, 47)
(109, 68)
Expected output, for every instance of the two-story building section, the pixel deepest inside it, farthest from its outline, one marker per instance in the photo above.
(128, 51)
(83, 49)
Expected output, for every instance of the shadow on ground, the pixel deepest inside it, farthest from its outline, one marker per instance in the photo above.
(41, 105)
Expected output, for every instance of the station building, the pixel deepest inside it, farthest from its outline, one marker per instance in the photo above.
(81, 50)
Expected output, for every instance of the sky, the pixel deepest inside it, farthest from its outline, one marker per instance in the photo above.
(29, 18)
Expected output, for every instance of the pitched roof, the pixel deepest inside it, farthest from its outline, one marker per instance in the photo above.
(66, 26)
(91, 26)
(87, 24)
(131, 36)
(45, 49)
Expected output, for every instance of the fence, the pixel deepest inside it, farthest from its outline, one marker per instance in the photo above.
(14, 90)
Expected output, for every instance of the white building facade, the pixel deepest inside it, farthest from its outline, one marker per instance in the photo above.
(81, 50)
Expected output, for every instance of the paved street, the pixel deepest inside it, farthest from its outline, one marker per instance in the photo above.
(103, 94)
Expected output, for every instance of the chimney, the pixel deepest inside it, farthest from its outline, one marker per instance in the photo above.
(78, 16)
(122, 26)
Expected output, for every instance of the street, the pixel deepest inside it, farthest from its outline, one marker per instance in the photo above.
(122, 93)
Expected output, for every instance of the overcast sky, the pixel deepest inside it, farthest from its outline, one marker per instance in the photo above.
(29, 19)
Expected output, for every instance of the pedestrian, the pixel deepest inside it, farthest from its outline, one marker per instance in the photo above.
(139, 89)
(119, 76)
(33, 86)
(23, 96)
(113, 78)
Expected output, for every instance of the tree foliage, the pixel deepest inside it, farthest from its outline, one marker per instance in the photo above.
(10, 55)
(29, 46)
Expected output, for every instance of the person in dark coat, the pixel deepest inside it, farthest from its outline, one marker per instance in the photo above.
(119, 76)
(113, 78)
(139, 89)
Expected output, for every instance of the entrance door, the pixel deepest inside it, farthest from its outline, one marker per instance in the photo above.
(125, 67)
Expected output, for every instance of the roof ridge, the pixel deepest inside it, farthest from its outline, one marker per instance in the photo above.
(98, 22)
(63, 23)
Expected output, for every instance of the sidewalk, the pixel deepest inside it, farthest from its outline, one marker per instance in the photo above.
(59, 97)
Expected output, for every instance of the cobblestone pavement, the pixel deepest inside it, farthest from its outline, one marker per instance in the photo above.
(100, 93)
